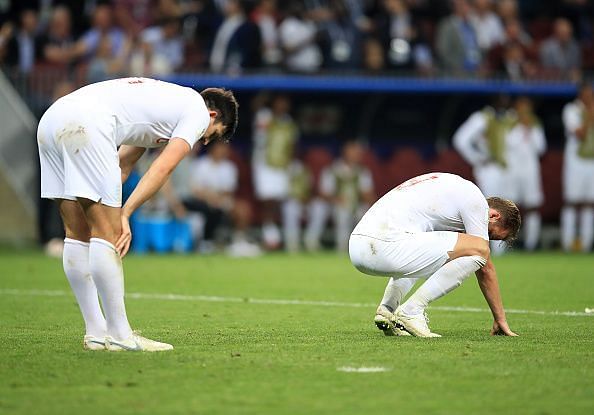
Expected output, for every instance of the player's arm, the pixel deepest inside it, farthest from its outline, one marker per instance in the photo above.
(149, 184)
(465, 138)
(489, 284)
(129, 155)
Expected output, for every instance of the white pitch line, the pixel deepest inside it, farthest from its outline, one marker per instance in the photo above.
(349, 369)
(219, 299)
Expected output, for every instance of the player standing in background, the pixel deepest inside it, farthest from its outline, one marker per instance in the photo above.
(435, 226)
(525, 143)
(480, 140)
(578, 171)
(83, 170)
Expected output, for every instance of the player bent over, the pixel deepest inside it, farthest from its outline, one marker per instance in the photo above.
(83, 170)
(435, 226)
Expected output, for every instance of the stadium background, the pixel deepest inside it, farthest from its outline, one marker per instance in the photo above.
(404, 102)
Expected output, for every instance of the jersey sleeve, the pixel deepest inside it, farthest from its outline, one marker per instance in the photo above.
(366, 181)
(571, 118)
(193, 122)
(474, 211)
(327, 182)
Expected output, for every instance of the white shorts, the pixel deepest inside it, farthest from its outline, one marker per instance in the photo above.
(410, 255)
(578, 179)
(78, 154)
(270, 183)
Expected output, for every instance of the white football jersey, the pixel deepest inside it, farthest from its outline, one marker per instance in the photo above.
(431, 202)
(147, 112)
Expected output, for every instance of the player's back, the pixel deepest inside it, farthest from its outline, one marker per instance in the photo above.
(146, 110)
(430, 202)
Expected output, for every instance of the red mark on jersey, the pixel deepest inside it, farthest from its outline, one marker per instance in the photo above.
(417, 180)
(135, 81)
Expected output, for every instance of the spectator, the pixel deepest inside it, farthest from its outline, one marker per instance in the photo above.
(89, 43)
(507, 10)
(516, 66)
(212, 182)
(133, 15)
(59, 38)
(161, 50)
(341, 36)
(457, 41)
(275, 137)
(560, 53)
(22, 48)
(266, 17)
(405, 49)
(298, 37)
(237, 42)
(104, 64)
(487, 25)
(346, 189)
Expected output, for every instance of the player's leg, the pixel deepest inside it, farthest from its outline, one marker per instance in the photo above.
(291, 213)
(77, 270)
(587, 226)
(572, 194)
(532, 225)
(318, 212)
(531, 198)
(469, 254)
(343, 226)
(394, 293)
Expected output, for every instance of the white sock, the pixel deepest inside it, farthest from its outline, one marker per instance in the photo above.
(446, 279)
(396, 290)
(318, 213)
(271, 234)
(531, 230)
(586, 228)
(106, 267)
(343, 226)
(76, 267)
(568, 225)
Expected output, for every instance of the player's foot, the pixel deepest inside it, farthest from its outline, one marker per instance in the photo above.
(416, 324)
(135, 343)
(385, 321)
(93, 342)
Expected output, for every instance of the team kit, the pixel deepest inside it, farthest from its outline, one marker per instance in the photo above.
(433, 230)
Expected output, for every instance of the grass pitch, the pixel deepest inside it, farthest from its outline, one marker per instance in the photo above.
(238, 352)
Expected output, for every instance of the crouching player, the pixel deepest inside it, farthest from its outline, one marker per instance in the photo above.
(437, 227)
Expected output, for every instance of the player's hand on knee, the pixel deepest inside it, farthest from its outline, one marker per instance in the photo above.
(123, 242)
(502, 329)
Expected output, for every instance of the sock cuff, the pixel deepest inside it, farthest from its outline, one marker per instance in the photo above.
(478, 260)
(103, 242)
(75, 242)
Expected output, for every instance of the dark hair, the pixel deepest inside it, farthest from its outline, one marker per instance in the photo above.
(510, 216)
(224, 103)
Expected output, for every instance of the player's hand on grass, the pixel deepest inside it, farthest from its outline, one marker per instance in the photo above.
(123, 243)
(502, 329)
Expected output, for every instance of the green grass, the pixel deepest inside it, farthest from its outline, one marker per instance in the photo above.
(250, 358)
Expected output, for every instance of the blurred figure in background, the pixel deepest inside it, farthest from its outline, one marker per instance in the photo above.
(237, 43)
(457, 42)
(560, 53)
(21, 46)
(59, 36)
(346, 190)
(487, 24)
(295, 208)
(481, 141)
(105, 64)
(578, 172)
(402, 42)
(525, 143)
(161, 50)
(266, 15)
(298, 38)
(211, 182)
(275, 137)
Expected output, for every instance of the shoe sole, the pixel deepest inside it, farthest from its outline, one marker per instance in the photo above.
(398, 325)
(388, 328)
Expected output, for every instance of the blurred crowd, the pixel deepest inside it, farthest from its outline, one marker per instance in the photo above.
(98, 39)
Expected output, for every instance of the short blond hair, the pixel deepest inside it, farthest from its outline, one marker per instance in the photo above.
(510, 215)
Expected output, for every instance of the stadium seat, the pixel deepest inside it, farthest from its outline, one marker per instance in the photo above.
(405, 163)
(449, 161)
